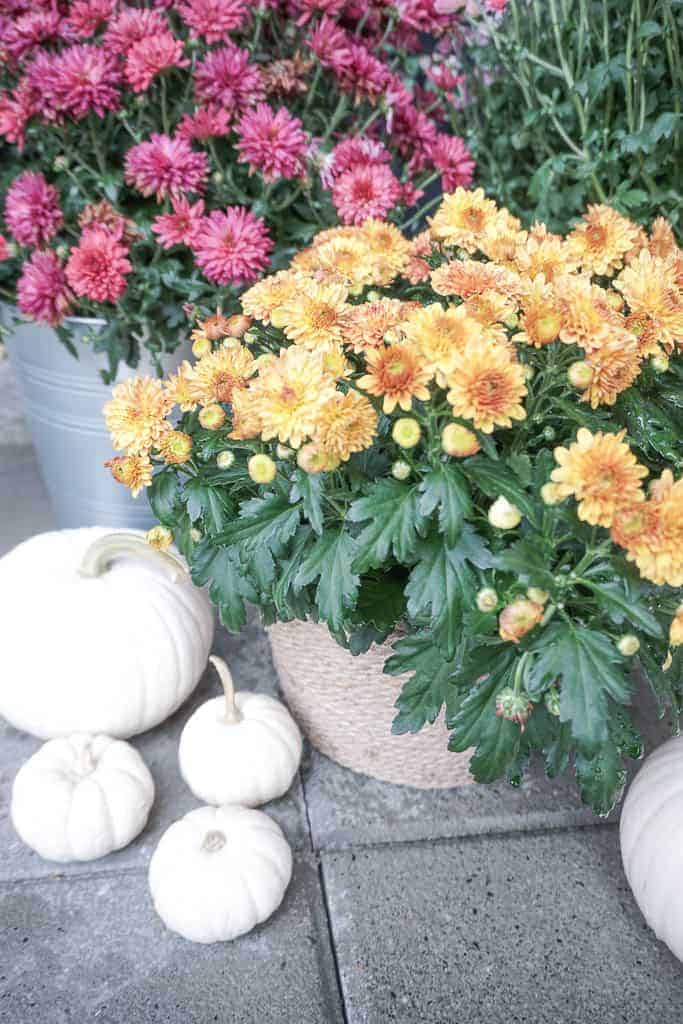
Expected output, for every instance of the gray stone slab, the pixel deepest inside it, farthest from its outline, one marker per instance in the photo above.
(525, 929)
(13, 428)
(249, 658)
(92, 949)
(24, 508)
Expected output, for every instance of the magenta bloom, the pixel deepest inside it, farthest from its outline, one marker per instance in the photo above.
(42, 291)
(451, 156)
(98, 265)
(86, 16)
(32, 210)
(331, 45)
(232, 247)
(16, 109)
(357, 150)
(205, 123)
(80, 79)
(132, 25)
(214, 19)
(179, 227)
(26, 31)
(4, 249)
(272, 142)
(365, 76)
(365, 191)
(165, 166)
(226, 76)
(308, 8)
(148, 57)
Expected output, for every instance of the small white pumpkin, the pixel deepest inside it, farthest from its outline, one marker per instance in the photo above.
(242, 748)
(124, 635)
(651, 833)
(218, 872)
(80, 797)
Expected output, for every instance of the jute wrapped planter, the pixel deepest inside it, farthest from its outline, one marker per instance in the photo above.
(345, 706)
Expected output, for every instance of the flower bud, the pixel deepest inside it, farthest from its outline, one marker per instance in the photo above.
(400, 470)
(217, 177)
(261, 468)
(62, 251)
(373, 295)
(225, 459)
(614, 299)
(528, 371)
(660, 363)
(580, 375)
(159, 537)
(503, 515)
(548, 327)
(313, 460)
(201, 347)
(628, 644)
(459, 441)
(550, 494)
(487, 599)
(537, 595)
(512, 321)
(212, 417)
(60, 162)
(551, 699)
(515, 707)
(196, 535)
(175, 447)
(519, 618)
(249, 337)
(549, 433)
(238, 324)
(676, 628)
(406, 432)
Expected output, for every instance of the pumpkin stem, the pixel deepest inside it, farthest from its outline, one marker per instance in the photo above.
(214, 841)
(102, 552)
(233, 715)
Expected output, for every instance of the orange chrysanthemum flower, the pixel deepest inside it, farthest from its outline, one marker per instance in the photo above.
(348, 261)
(587, 316)
(650, 286)
(547, 255)
(365, 326)
(464, 278)
(134, 471)
(439, 334)
(645, 332)
(486, 386)
(492, 310)
(136, 414)
(289, 392)
(463, 219)
(602, 473)
(390, 250)
(662, 241)
(502, 238)
(267, 295)
(246, 416)
(179, 388)
(313, 316)
(215, 327)
(615, 366)
(602, 241)
(215, 376)
(345, 424)
(175, 447)
(652, 532)
(398, 374)
(541, 321)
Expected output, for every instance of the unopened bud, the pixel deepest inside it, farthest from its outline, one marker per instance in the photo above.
(660, 363)
(504, 515)
(515, 707)
(580, 375)
(537, 595)
(212, 417)
(201, 347)
(628, 644)
(551, 699)
(225, 459)
(400, 470)
(519, 618)
(487, 599)
(459, 441)
(550, 494)
(261, 468)
(406, 432)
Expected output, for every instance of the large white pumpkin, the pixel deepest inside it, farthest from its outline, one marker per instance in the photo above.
(241, 748)
(100, 633)
(218, 872)
(651, 833)
(80, 797)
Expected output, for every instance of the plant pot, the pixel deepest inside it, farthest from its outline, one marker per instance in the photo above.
(345, 706)
(63, 399)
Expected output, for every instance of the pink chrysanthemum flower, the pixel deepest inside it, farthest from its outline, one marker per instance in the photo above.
(28, 30)
(453, 159)
(148, 57)
(414, 134)
(365, 76)
(42, 291)
(422, 15)
(16, 109)
(32, 210)
(357, 150)
(227, 77)
(365, 191)
(307, 8)
(214, 20)
(272, 142)
(132, 25)
(179, 227)
(4, 249)
(98, 265)
(232, 247)
(83, 78)
(206, 123)
(86, 16)
(165, 166)
(331, 45)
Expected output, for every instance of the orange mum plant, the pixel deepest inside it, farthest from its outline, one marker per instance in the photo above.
(475, 434)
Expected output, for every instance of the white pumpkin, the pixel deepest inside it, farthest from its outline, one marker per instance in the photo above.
(218, 872)
(80, 797)
(123, 635)
(241, 748)
(651, 833)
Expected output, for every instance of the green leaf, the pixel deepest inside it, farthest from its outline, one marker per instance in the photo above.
(557, 753)
(525, 558)
(476, 724)
(424, 694)
(268, 520)
(591, 670)
(601, 777)
(498, 746)
(487, 677)
(395, 524)
(229, 587)
(445, 488)
(650, 427)
(494, 479)
(308, 488)
(381, 603)
(206, 503)
(522, 468)
(162, 495)
(622, 605)
(329, 561)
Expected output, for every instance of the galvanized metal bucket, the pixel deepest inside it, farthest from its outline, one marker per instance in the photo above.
(63, 399)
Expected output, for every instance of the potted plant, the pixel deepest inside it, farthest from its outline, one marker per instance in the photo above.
(471, 440)
(157, 158)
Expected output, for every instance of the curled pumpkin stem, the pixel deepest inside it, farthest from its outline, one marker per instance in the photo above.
(233, 715)
(102, 552)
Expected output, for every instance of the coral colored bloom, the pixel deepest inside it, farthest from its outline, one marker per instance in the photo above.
(463, 219)
(215, 376)
(227, 76)
(82, 79)
(179, 227)
(165, 166)
(98, 265)
(135, 471)
(148, 57)
(132, 25)
(206, 123)
(86, 16)
(232, 246)
(263, 298)
(32, 210)
(313, 316)
(214, 20)
(398, 374)
(42, 291)
(272, 142)
(486, 386)
(288, 393)
(602, 240)
(365, 191)
(453, 159)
